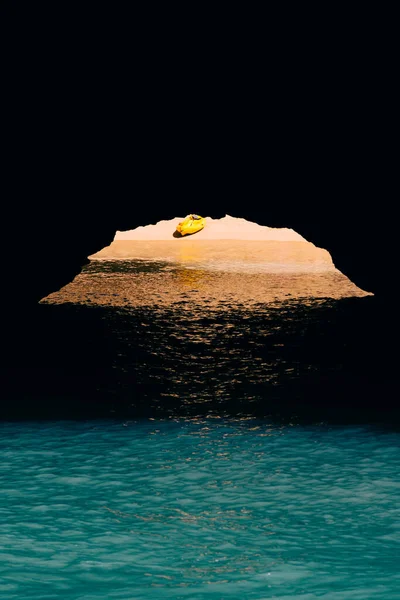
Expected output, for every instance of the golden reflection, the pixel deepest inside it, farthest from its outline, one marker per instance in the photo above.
(191, 278)
(271, 255)
(190, 252)
(208, 274)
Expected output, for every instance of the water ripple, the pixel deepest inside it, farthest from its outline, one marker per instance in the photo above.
(198, 508)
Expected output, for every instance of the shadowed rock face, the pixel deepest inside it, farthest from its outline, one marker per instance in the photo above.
(74, 183)
(93, 146)
(48, 246)
(90, 151)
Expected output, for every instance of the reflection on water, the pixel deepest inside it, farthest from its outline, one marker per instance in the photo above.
(206, 274)
(142, 336)
(201, 485)
(269, 256)
(199, 509)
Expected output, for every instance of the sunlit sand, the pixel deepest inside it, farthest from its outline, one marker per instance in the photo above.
(229, 244)
(247, 265)
(241, 255)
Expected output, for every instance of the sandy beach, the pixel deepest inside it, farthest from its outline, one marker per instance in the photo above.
(227, 243)
(234, 262)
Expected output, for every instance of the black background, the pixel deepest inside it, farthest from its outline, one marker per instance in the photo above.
(115, 119)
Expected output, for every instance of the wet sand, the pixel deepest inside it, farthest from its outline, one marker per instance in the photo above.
(208, 274)
(265, 256)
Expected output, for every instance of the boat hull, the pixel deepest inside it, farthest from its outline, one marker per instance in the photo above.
(189, 226)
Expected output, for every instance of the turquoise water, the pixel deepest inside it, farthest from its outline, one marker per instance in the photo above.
(171, 431)
(198, 508)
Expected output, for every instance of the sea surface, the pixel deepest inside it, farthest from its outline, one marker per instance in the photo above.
(202, 424)
(198, 508)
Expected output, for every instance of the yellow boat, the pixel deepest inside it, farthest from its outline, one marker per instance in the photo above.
(191, 224)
